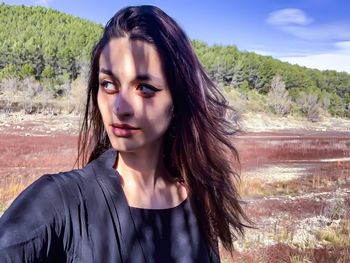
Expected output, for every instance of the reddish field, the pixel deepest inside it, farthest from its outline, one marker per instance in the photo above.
(24, 158)
(295, 185)
(299, 147)
(297, 190)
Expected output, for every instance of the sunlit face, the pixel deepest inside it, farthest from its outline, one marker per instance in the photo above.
(133, 96)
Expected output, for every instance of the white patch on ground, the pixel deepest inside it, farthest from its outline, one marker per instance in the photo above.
(38, 124)
(301, 233)
(258, 122)
(328, 160)
(305, 234)
(273, 173)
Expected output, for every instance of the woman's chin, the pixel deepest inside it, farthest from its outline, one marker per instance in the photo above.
(126, 145)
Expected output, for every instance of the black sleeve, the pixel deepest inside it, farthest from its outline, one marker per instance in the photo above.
(30, 228)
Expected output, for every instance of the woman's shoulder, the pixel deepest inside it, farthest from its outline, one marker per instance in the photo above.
(43, 204)
(48, 194)
(52, 196)
(71, 178)
(38, 206)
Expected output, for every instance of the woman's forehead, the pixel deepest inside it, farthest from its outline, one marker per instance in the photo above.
(123, 50)
(126, 59)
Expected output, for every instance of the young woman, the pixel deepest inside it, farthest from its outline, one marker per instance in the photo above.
(160, 173)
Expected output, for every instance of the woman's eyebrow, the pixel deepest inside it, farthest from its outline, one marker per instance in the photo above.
(148, 77)
(107, 72)
(143, 77)
(139, 77)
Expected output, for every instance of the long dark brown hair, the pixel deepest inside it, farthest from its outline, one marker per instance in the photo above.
(198, 149)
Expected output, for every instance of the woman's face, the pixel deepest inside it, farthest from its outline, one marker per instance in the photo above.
(133, 96)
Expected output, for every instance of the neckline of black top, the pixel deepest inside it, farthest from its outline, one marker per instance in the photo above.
(159, 209)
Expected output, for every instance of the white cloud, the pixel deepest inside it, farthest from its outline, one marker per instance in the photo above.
(262, 52)
(338, 60)
(344, 46)
(42, 2)
(329, 32)
(298, 24)
(278, 54)
(331, 61)
(288, 16)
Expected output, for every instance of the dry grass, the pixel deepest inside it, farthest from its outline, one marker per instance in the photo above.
(8, 193)
(329, 242)
(249, 187)
(253, 187)
(299, 259)
(336, 235)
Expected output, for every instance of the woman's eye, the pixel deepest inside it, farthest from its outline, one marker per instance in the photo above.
(147, 90)
(108, 86)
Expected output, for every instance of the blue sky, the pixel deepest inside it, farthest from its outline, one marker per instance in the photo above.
(312, 33)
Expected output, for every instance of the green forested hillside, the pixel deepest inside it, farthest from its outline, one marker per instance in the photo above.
(52, 50)
(251, 75)
(43, 42)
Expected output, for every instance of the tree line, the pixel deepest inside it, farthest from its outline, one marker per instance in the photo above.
(47, 52)
(260, 80)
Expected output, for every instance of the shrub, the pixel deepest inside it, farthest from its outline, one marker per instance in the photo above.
(236, 99)
(8, 89)
(30, 87)
(278, 98)
(309, 105)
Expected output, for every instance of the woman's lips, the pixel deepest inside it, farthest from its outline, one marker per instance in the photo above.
(123, 130)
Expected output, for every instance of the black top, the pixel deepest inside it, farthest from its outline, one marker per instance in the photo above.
(83, 216)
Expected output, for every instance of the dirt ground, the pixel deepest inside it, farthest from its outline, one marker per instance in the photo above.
(295, 182)
(296, 188)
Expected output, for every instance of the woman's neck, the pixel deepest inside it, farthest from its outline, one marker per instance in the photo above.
(141, 168)
(143, 180)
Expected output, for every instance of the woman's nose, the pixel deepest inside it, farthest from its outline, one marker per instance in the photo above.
(122, 106)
